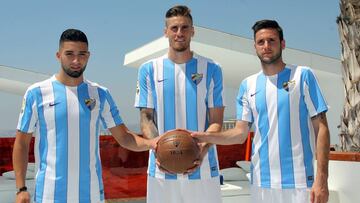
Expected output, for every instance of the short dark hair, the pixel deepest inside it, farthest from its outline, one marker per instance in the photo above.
(73, 35)
(179, 10)
(262, 24)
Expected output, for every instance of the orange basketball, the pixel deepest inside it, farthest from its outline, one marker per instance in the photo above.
(176, 151)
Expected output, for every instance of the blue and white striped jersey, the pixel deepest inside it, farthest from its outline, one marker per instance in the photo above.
(181, 95)
(66, 121)
(281, 106)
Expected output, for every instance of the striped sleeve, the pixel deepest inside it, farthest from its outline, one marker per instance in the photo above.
(314, 99)
(216, 91)
(143, 97)
(243, 110)
(110, 115)
(28, 115)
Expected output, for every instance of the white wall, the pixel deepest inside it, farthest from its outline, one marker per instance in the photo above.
(332, 88)
(344, 181)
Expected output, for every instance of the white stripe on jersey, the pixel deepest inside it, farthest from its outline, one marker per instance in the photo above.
(273, 139)
(149, 99)
(251, 90)
(73, 158)
(312, 136)
(201, 95)
(158, 75)
(180, 90)
(34, 119)
(108, 119)
(211, 93)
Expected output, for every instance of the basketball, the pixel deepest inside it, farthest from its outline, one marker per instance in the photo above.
(176, 151)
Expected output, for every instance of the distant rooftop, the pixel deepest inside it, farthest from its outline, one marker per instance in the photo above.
(235, 54)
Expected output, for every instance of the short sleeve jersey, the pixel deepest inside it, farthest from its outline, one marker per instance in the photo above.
(281, 107)
(181, 95)
(66, 122)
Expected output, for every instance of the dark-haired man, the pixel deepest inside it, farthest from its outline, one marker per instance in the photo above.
(65, 112)
(285, 104)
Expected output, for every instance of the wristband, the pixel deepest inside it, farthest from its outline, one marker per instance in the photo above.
(22, 189)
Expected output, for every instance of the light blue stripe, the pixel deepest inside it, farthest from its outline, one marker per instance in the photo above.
(195, 175)
(284, 132)
(191, 104)
(239, 100)
(143, 91)
(305, 135)
(43, 148)
(84, 144)
(152, 161)
(169, 176)
(61, 121)
(208, 80)
(214, 170)
(263, 124)
(191, 97)
(214, 73)
(102, 97)
(251, 163)
(213, 162)
(143, 88)
(98, 162)
(169, 100)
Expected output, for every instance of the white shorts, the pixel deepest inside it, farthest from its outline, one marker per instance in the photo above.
(183, 191)
(272, 195)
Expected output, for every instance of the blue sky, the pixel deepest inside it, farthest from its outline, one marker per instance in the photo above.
(30, 32)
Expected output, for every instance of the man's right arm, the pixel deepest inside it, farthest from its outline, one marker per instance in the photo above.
(236, 135)
(147, 124)
(20, 161)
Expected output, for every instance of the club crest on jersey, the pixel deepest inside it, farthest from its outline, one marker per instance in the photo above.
(197, 77)
(90, 103)
(286, 85)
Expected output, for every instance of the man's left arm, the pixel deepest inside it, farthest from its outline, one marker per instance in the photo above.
(320, 191)
(216, 110)
(215, 124)
(216, 116)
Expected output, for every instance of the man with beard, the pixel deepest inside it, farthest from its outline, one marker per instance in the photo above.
(65, 112)
(181, 90)
(286, 105)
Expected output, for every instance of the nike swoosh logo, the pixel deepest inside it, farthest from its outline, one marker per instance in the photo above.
(162, 80)
(251, 95)
(53, 103)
